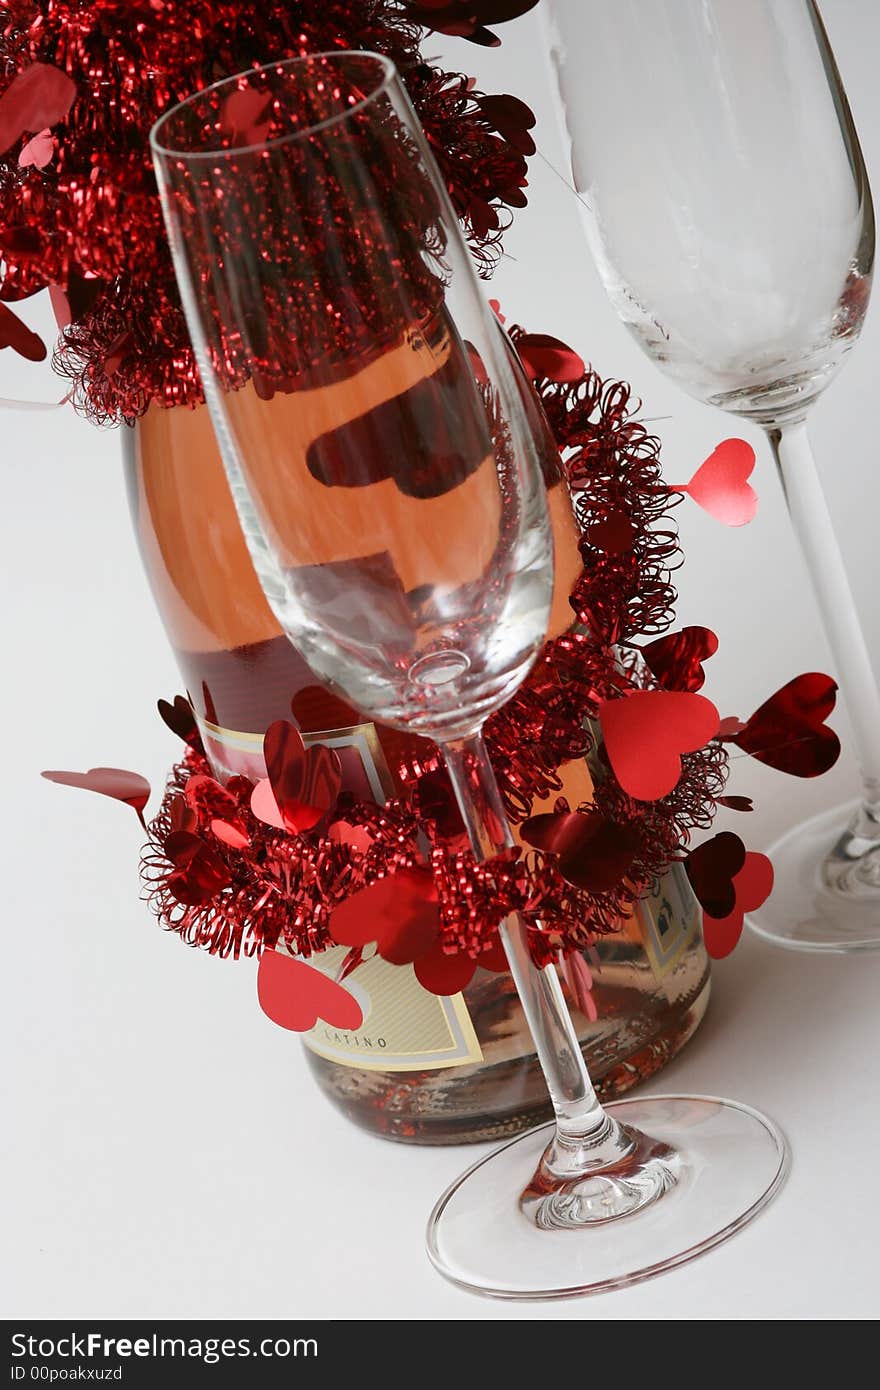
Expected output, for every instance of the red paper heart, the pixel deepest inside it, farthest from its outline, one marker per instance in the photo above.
(115, 782)
(720, 485)
(295, 995)
(435, 803)
(736, 803)
(511, 118)
(243, 113)
(467, 19)
(15, 333)
(712, 868)
(182, 817)
(594, 853)
(264, 805)
(546, 358)
(230, 834)
(37, 97)
(646, 732)
(305, 781)
(199, 871)
(676, 661)
(181, 720)
(752, 886)
(788, 732)
(398, 912)
(355, 837)
(38, 151)
(441, 973)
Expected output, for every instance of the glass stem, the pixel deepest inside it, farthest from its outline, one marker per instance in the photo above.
(586, 1138)
(812, 524)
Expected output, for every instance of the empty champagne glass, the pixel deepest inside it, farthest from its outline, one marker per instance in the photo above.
(379, 451)
(729, 214)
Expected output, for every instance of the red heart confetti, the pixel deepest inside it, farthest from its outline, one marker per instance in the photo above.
(15, 333)
(295, 995)
(647, 731)
(441, 973)
(788, 731)
(467, 19)
(712, 868)
(736, 803)
(355, 837)
(512, 119)
(398, 912)
(115, 782)
(434, 801)
(37, 97)
(720, 485)
(181, 720)
(729, 728)
(546, 358)
(305, 782)
(38, 151)
(594, 853)
(265, 807)
(230, 834)
(182, 816)
(199, 871)
(243, 113)
(753, 886)
(676, 660)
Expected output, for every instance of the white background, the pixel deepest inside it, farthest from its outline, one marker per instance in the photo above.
(167, 1152)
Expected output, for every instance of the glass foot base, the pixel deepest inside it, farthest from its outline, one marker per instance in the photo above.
(727, 1161)
(823, 898)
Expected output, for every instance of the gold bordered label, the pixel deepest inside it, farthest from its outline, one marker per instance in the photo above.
(404, 1029)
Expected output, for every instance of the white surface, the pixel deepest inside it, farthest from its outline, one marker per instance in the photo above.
(167, 1152)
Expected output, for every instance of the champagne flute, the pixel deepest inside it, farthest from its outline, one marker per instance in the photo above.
(728, 211)
(379, 450)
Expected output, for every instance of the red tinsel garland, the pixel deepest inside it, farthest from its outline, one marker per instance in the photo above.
(281, 887)
(88, 219)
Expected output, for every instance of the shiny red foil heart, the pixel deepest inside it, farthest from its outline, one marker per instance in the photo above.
(38, 97)
(305, 782)
(180, 720)
(712, 868)
(115, 782)
(399, 912)
(594, 853)
(676, 660)
(788, 732)
(752, 886)
(199, 872)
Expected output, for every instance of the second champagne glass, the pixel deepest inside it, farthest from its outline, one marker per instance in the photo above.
(728, 211)
(380, 455)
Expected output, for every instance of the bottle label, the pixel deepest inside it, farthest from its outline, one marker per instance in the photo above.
(364, 770)
(405, 1028)
(670, 920)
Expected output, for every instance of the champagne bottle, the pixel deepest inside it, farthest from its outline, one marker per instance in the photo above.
(421, 1068)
